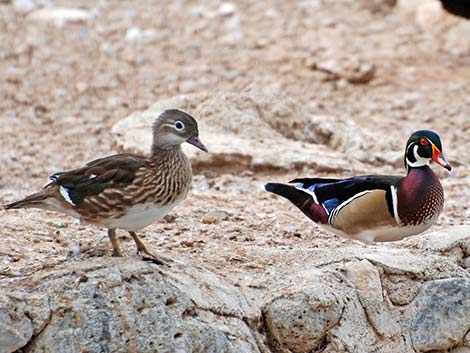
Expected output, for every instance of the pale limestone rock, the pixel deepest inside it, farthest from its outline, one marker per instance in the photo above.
(460, 350)
(442, 314)
(299, 321)
(350, 69)
(213, 217)
(254, 129)
(401, 289)
(22, 302)
(366, 279)
(403, 297)
(127, 306)
(15, 330)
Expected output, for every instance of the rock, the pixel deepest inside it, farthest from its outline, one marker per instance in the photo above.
(59, 16)
(299, 321)
(456, 238)
(365, 284)
(74, 249)
(352, 69)
(128, 306)
(22, 304)
(442, 314)
(213, 217)
(337, 132)
(460, 350)
(401, 289)
(401, 297)
(15, 332)
(281, 133)
(366, 279)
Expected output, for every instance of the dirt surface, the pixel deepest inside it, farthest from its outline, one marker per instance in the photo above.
(64, 86)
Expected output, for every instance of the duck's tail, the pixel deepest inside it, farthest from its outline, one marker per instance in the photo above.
(294, 195)
(35, 200)
(303, 200)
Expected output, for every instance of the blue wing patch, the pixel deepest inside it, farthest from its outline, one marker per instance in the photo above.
(329, 204)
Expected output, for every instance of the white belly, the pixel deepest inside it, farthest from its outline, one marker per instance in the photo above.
(384, 234)
(140, 216)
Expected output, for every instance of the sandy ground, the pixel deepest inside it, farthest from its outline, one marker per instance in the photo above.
(63, 87)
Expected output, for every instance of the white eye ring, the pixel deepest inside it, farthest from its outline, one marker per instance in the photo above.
(179, 125)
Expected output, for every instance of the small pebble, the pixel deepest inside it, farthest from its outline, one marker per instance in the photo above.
(214, 217)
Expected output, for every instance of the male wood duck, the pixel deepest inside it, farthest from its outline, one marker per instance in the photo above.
(376, 207)
(126, 191)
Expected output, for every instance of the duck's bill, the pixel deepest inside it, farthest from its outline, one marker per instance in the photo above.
(196, 142)
(438, 157)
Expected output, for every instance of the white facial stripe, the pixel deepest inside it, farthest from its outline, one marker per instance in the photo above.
(409, 147)
(393, 191)
(415, 152)
(420, 161)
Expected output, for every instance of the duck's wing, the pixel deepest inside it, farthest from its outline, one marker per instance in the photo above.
(352, 205)
(112, 172)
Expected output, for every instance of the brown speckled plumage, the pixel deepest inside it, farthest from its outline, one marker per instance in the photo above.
(126, 191)
(161, 180)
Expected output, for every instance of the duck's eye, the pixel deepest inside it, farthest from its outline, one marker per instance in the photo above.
(424, 142)
(179, 125)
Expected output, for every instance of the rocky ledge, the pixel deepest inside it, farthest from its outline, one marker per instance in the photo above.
(411, 296)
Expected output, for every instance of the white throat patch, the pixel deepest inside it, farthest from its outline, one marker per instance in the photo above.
(420, 161)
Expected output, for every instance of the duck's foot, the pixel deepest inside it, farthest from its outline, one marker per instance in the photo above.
(142, 251)
(159, 260)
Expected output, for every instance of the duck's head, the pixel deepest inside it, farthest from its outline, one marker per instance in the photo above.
(422, 147)
(173, 127)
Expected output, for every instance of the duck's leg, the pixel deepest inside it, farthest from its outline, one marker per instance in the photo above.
(114, 241)
(142, 249)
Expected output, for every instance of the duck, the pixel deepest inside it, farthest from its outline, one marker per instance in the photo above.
(126, 191)
(376, 208)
